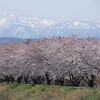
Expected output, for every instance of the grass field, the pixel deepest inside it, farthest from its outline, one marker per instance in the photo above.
(44, 92)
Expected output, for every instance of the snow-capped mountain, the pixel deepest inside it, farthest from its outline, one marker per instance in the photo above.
(23, 27)
(80, 29)
(32, 27)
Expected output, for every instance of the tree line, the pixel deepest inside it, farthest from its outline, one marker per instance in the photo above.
(58, 61)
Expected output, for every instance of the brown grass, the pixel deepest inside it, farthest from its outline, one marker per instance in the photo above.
(2, 87)
(75, 95)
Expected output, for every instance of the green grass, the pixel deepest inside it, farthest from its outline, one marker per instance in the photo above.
(45, 92)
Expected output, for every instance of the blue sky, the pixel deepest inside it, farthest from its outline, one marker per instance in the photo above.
(62, 10)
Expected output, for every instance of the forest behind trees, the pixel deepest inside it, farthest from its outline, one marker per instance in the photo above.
(57, 61)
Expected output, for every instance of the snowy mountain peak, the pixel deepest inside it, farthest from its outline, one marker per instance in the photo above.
(76, 23)
(31, 21)
(3, 22)
(33, 27)
(81, 24)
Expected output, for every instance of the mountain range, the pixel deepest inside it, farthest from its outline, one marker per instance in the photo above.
(36, 28)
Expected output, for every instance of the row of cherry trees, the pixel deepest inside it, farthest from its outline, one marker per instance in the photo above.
(59, 61)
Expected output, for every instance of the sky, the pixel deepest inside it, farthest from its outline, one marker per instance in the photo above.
(62, 10)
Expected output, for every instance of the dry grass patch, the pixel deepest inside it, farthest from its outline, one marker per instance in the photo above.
(78, 93)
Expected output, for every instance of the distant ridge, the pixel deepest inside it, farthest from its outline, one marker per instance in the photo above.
(5, 40)
(37, 28)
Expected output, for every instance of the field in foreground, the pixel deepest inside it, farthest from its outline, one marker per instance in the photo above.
(44, 92)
